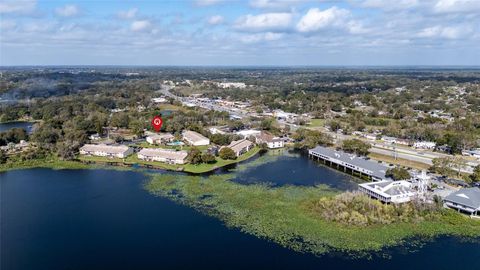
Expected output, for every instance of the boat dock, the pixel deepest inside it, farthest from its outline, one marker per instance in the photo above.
(349, 163)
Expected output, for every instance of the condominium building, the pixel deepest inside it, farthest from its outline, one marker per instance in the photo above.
(163, 155)
(195, 138)
(103, 150)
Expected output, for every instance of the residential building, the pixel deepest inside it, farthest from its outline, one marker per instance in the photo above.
(248, 132)
(160, 138)
(159, 100)
(95, 137)
(271, 141)
(466, 200)
(103, 150)
(390, 140)
(163, 155)
(215, 130)
(473, 153)
(424, 145)
(371, 137)
(388, 191)
(240, 146)
(195, 138)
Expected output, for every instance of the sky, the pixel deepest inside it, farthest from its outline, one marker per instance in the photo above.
(240, 32)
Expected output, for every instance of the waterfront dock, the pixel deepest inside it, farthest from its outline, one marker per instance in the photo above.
(349, 163)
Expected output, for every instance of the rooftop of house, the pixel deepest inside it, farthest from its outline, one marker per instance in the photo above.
(466, 196)
(163, 153)
(389, 187)
(116, 149)
(161, 136)
(237, 146)
(193, 136)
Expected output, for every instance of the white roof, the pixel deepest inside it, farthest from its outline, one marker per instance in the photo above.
(194, 136)
(163, 153)
(105, 148)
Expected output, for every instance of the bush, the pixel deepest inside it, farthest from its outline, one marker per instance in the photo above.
(208, 158)
(194, 156)
(398, 173)
(227, 153)
(355, 208)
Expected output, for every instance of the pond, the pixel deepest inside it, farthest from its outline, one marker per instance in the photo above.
(28, 126)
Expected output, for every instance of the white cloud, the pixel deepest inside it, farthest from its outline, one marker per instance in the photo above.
(17, 6)
(67, 11)
(259, 37)
(264, 22)
(140, 25)
(214, 20)
(274, 3)
(127, 14)
(316, 19)
(452, 6)
(7, 24)
(207, 2)
(448, 32)
(390, 5)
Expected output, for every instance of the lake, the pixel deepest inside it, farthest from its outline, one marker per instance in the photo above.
(28, 126)
(103, 219)
(293, 168)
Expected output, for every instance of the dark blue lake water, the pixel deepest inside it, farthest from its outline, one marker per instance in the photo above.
(28, 126)
(101, 219)
(295, 169)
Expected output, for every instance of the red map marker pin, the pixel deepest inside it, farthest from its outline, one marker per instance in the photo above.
(157, 123)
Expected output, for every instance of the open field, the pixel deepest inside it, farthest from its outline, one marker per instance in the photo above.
(399, 161)
(317, 123)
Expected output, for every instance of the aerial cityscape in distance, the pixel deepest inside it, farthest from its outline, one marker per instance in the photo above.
(228, 134)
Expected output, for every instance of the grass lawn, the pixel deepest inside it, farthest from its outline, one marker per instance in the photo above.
(317, 123)
(201, 168)
(399, 161)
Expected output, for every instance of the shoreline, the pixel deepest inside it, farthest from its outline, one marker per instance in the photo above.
(129, 163)
(279, 214)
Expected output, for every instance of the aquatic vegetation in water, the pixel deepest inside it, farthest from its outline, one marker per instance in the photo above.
(280, 214)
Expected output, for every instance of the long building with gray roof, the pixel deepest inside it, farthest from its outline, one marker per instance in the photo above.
(349, 162)
(465, 200)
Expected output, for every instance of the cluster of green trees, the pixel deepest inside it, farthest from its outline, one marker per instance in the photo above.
(448, 166)
(14, 135)
(306, 139)
(227, 153)
(195, 156)
(398, 173)
(356, 146)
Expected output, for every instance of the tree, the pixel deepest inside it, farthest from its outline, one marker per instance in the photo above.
(227, 153)
(208, 158)
(67, 150)
(442, 166)
(398, 173)
(3, 157)
(356, 146)
(334, 125)
(306, 139)
(194, 156)
(475, 176)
